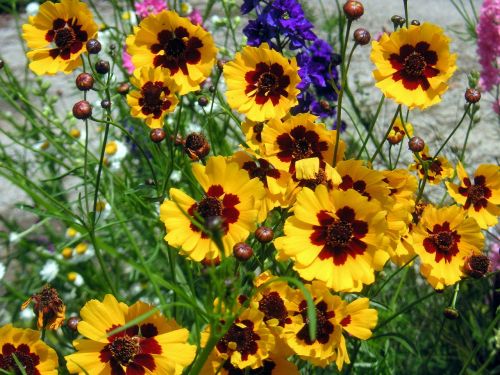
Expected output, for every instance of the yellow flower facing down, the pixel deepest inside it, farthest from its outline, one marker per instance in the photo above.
(444, 239)
(336, 237)
(231, 202)
(25, 345)
(155, 96)
(166, 40)
(48, 307)
(438, 169)
(153, 346)
(57, 35)
(413, 65)
(261, 83)
(397, 132)
(480, 197)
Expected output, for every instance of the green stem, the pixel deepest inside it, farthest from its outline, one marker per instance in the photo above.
(453, 131)
(379, 148)
(372, 125)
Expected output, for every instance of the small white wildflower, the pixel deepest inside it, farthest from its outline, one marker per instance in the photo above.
(176, 176)
(115, 152)
(2, 271)
(103, 209)
(27, 314)
(14, 238)
(49, 271)
(32, 8)
(186, 8)
(75, 278)
(130, 15)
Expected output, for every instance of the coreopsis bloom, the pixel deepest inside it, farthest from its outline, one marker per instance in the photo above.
(155, 96)
(154, 345)
(146, 7)
(57, 36)
(438, 169)
(229, 206)
(253, 133)
(413, 65)
(48, 307)
(488, 44)
(336, 237)
(480, 197)
(397, 132)
(297, 138)
(261, 83)
(444, 239)
(25, 345)
(166, 40)
(273, 365)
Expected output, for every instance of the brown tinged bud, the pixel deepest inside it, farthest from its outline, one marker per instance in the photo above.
(48, 307)
(416, 144)
(324, 104)
(472, 95)
(93, 46)
(211, 262)
(264, 234)
(106, 104)
(102, 67)
(84, 81)
(242, 251)
(362, 36)
(157, 135)
(477, 266)
(220, 64)
(178, 140)
(451, 313)
(82, 110)
(196, 146)
(415, 22)
(123, 89)
(398, 20)
(353, 10)
(72, 323)
(203, 101)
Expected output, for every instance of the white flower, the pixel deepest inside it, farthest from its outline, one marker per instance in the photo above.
(75, 278)
(186, 8)
(49, 271)
(103, 209)
(2, 271)
(14, 237)
(175, 176)
(115, 152)
(32, 8)
(82, 252)
(27, 314)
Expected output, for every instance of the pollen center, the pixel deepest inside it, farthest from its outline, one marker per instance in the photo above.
(476, 193)
(267, 82)
(273, 307)
(302, 149)
(338, 233)
(209, 207)
(23, 355)
(240, 338)
(64, 37)
(414, 64)
(324, 328)
(124, 349)
(444, 240)
(175, 47)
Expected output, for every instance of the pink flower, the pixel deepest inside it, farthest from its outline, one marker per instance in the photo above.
(127, 61)
(495, 257)
(146, 7)
(195, 17)
(488, 31)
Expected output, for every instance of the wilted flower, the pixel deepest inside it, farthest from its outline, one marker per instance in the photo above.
(48, 307)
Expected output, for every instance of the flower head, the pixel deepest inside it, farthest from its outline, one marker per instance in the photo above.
(438, 168)
(488, 44)
(48, 307)
(57, 36)
(146, 7)
(413, 65)
(397, 132)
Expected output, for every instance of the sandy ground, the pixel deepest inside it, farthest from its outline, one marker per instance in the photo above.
(432, 125)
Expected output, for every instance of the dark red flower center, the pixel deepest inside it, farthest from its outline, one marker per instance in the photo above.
(442, 241)
(414, 65)
(321, 179)
(266, 369)
(477, 194)
(273, 307)
(257, 129)
(153, 100)
(242, 336)
(209, 207)
(267, 82)
(175, 49)
(124, 349)
(324, 328)
(261, 169)
(23, 354)
(340, 237)
(67, 36)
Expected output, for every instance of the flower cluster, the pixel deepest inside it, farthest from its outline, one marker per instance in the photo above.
(488, 44)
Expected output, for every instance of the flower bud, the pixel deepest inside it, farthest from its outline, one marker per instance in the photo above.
(242, 251)
(106, 104)
(353, 10)
(93, 46)
(220, 64)
(157, 135)
(82, 110)
(72, 323)
(84, 81)
(362, 36)
(451, 313)
(472, 95)
(196, 146)
(203, 101)
(102, 67)
(123, 88)
(477, 266)
(416, 144)
(415, 22)
(398, 20)
(210, 262)
(264, 234)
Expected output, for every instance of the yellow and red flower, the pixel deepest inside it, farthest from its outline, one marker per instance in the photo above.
(166, 40)
(444, 239)
(413, 65)
(155, 96)
(57, 36)
(230, 203)
(155, 345)
(36, 357)
(261, 83)
(480, 199)
(438, 169)
(397, 132)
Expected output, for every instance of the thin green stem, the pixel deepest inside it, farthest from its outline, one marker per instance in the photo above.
(372, 125)
(453, 131)
(379, 148)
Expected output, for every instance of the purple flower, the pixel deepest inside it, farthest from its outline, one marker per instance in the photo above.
(488, 32)
(195, 17)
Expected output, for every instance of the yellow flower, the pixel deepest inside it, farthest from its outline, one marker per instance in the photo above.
(480, 199)
(253, 133)
(437, 169)
(444, 239)
(154, 97)
(230, 205)
(335, 237)
(57, 36)
(154, 345)
(25, 345)
(261, 83)
(397, 132)
(413, 65)
(274, 365)
(169, 41)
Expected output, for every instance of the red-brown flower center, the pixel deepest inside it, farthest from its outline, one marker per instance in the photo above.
(267, 82)
(154, 99)
(414, 64)
(266, 369)
(477, 193)
(28, 360)
(338, 233)
(124, 349)
(209, 207)
(261, 169)
(273, 307)
(241, 338)
(67, 36)
(442, 241)
(64, 37)
(175, 47)
(324, 328)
